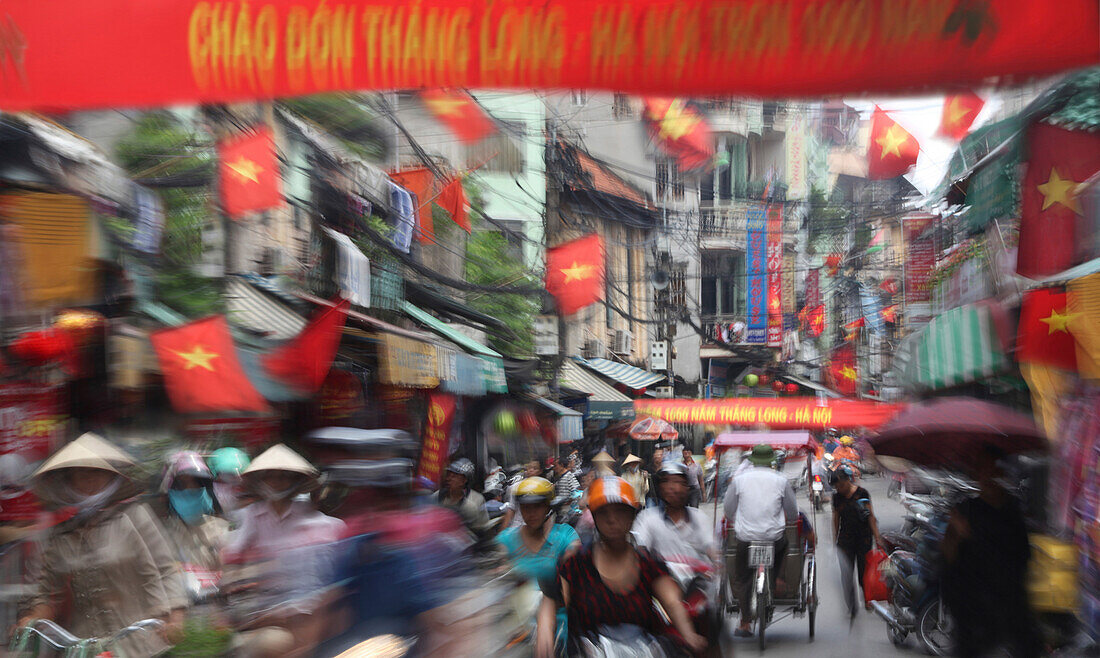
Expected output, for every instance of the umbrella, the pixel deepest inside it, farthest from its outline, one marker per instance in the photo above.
(953, 431)
(652, 429)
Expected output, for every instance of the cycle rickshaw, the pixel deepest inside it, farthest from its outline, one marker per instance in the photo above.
(799, 597)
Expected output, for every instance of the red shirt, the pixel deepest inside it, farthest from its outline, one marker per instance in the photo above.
(593, 604)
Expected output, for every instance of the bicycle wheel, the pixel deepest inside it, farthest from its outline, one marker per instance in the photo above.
(763, 601)
(811, 590)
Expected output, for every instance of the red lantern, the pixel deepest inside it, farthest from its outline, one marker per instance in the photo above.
(45, 346)
(764, 379)
(792, 388)
(528, 423)
(777, 386)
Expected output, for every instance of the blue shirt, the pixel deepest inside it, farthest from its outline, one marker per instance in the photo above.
(541, 566)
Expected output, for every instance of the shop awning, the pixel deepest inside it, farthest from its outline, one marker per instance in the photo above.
(604, 402)
(957, 347)
(494, 370)
(256, 310)
(570, 422)
(628, 376)
(812, 385)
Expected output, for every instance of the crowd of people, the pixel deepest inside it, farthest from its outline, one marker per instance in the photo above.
(291, 559)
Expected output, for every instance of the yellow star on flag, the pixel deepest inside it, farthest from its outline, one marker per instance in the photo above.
(1059, 190)
(198, 357)
(446, 106)
(1057, 321)
(578, 272)
(895, 136)
(246, 169)
(676, 122)
(955, 112)
(848, 372)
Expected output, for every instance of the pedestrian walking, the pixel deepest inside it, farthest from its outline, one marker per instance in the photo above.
(855, 530)
(695, 479)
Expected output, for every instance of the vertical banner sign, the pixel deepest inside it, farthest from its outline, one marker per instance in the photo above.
(788, 283)
(775, 276)
(922, 256)
(755, 274)
(32, 425)
(795, 143)
(437, 429)
(813, 288)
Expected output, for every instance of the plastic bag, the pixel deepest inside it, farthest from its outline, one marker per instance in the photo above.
(874, 585)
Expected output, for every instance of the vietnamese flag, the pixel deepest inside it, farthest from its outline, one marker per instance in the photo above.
(892, 150)
(1044, 336)
(817, 320)
(248, 173)
(305, 361)
(575, 273)
(1060, 160)
(842, 373)
(680, 130)
(890, 314)
(453, 200)
(201, 370)
(959, 112)
(460, 113)
(420, 182)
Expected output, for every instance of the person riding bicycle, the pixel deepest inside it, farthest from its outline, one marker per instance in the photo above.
(535, 548)
(613, 583)
(760, 503)
(109, 565)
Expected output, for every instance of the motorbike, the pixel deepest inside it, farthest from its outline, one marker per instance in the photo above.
(817, 492)
(915, 606)
(567, 508)
(625, 642)
(698, 583)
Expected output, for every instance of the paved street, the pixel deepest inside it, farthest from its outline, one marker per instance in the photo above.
(867, 637)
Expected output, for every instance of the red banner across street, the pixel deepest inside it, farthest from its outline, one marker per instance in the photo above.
(776, 413)
(64, 54)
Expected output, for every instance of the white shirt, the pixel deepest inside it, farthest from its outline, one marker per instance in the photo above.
(760, 502)
(692, 538)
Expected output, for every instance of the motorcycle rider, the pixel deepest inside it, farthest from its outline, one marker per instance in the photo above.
(510, 517)
(613, 583)
(535, 547)
(846, 455)
(226, 465)
(759, 504)
(192, 527)
(457, 495)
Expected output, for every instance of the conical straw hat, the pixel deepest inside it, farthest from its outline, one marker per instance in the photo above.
(281, 458)
(632, 459)
(88, 451)
(603, 457)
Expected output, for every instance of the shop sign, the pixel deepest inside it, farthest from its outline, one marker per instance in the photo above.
(437, 430)
(778, 413)
(468, 378)
(252, 433)
(340, 397)
(756, 275)
(921, 259)
(172, 52)
(775, 276)
(406, 362)
(33, 421)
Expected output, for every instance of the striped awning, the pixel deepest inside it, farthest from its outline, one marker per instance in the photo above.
(256, 310)
(957, 347)
(628, 376)
(604, 402)
(570, 422)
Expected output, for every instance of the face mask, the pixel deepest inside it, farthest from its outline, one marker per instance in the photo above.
(191, 504)
(87, 506)
(267, 493)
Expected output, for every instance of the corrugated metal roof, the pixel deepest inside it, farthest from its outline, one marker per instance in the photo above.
(254, 309)
(575, 377)
(624, 374)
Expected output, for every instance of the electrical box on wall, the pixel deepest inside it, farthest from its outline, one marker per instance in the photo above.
(658, 355)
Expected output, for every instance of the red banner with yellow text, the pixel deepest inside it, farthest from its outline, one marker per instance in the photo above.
(65, 54)
(776, 413)
(437, 432)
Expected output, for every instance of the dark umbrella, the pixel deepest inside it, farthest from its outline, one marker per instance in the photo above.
(952, 432)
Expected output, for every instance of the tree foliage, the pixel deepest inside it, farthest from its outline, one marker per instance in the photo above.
(347, 118)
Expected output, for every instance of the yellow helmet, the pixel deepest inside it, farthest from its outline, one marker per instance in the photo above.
(847, 440)
(532, 491)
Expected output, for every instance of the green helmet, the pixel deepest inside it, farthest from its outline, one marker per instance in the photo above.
(231, 461)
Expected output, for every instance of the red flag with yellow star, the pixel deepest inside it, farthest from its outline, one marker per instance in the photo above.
(305, 361)
(575, 273)
(249, 173)
(959, 112)
(1044, 336)
(892, 149)
(680, 130)
(842, 373)
(201, 370)
(459, 112)
(1060, 160)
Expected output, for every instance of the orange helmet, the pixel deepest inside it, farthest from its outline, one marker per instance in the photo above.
(611, 490)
